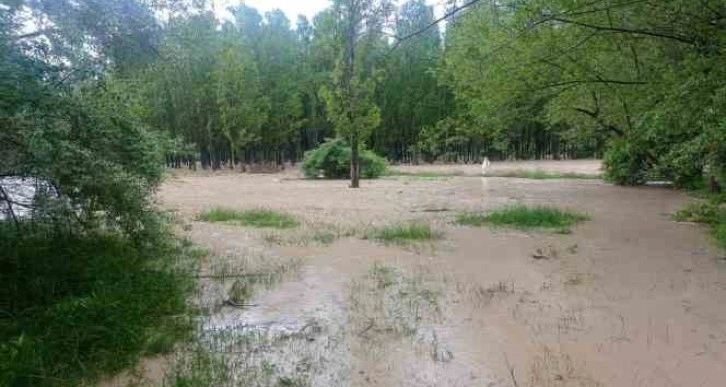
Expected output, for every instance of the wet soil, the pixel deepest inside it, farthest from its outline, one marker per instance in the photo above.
(630, 298)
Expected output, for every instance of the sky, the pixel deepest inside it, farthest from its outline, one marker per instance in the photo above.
(292, 8)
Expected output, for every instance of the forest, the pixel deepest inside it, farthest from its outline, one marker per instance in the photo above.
(99, 97)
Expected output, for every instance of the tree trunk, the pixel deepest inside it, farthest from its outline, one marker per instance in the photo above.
(231, 156)
(354, 162)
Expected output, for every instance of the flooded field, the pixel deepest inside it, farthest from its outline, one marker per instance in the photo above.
(629, 298)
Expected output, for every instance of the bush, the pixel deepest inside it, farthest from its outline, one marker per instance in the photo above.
(331, 160)
(625, 163)
(76, 307)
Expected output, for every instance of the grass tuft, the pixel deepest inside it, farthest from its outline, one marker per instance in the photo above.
(405, 233)
(523, 217)
(262, 218)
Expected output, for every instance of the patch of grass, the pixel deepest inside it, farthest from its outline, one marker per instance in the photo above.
(424, 174)
(405, 233)
(541, 175)
(523, 217)
(710, 212)
(76, 307)
(262, 218)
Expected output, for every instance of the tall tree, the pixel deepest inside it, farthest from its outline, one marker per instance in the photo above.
(604, 69)
(411, 97)
(242, 106)
(350, 104)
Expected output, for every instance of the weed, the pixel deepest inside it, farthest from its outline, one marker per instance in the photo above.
(389, 301)
(524, 217)
(263, 218)
(405, 233)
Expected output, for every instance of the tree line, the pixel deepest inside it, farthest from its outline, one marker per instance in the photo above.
(258, 88)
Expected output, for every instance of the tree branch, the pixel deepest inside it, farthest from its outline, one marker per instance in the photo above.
(681, 39)
(432, 24)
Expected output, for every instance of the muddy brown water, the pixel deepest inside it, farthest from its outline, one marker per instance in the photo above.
(630, 298)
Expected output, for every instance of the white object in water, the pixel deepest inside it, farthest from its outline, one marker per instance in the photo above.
(485, 165)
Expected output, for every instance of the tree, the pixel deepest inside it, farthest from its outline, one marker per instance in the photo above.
(350, 103)
(598, 72)
(242, 106)
(411, 98)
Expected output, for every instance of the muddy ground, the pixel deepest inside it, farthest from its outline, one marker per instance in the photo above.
(630, 298)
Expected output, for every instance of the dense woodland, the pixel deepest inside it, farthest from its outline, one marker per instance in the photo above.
(504, 79)
(97, 97)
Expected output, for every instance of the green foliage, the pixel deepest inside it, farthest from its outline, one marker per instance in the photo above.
(523, 217)
(405, 233)
(78, 307)
(591, 72)
(251, 218)
(92, 278)
(625, 164)
(331, 160)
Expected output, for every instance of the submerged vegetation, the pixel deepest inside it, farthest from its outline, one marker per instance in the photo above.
(405, 233)
(542, 175)
(263, 218)
(524, 217)
(710, 212)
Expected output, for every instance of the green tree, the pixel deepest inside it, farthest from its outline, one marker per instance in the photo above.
(411, 98)
(350, 103)
(644, 72)
(242, 106)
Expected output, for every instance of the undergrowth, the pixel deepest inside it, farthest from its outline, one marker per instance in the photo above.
(262, 218)
(76, 306)
(523, 217)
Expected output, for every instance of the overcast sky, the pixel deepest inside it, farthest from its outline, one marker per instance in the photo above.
(292, 8)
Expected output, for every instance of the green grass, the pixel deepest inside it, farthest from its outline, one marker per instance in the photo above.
(405, 233)
(262, 218)
(523, 217)
(710, 212)
(424, 174)
(542, 175)
(517, 173)
(77, 307)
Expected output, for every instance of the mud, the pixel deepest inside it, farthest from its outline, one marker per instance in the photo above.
(630, 298)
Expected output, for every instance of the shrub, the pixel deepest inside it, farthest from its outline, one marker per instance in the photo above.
(625, 163)
(331, 160)
(80, 306)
